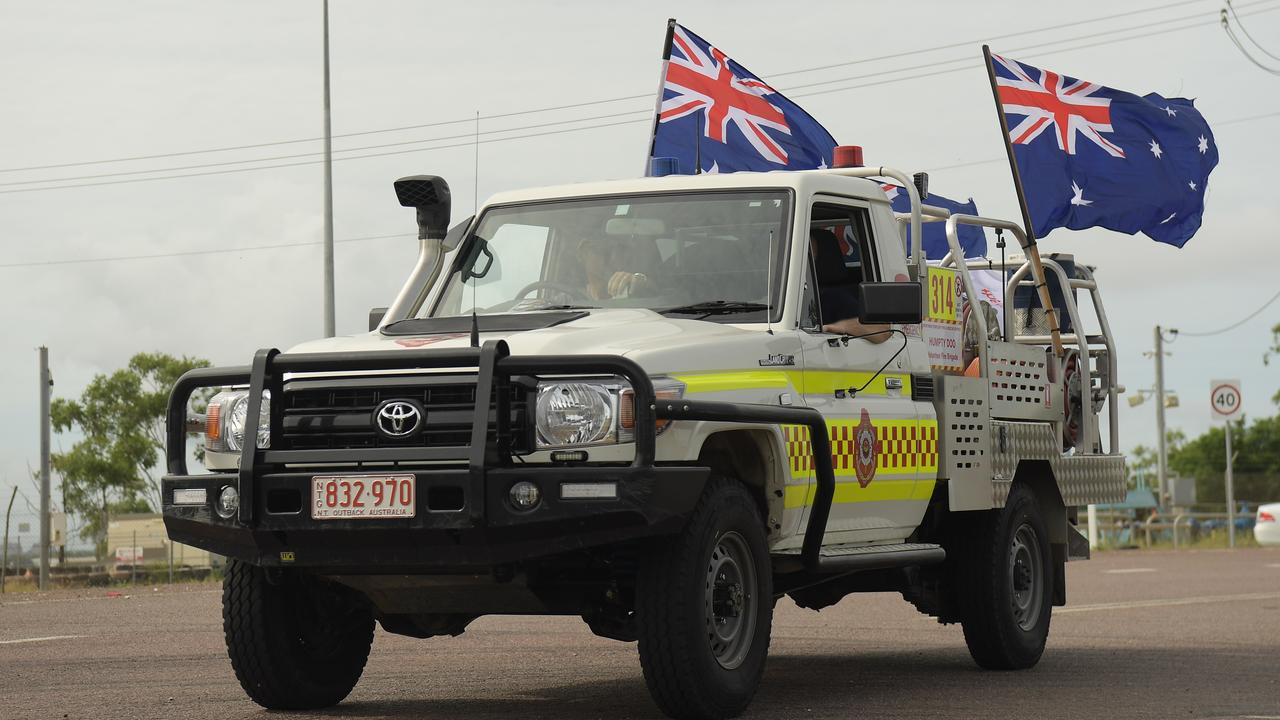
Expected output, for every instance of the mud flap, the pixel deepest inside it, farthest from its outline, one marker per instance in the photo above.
(1077, 544)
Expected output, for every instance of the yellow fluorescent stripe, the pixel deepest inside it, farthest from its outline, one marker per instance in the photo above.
(923, 489)
(826, 382)
(821, 382)
(798, 496)
(727, 381)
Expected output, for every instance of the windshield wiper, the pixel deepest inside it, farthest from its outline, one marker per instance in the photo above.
(716, 307)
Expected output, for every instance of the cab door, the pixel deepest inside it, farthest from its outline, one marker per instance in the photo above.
(861, 386)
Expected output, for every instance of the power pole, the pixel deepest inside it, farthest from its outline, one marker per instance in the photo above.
(1161, 450)
(4, 564)
(1231, 495)
(45, 383)
(329, 326)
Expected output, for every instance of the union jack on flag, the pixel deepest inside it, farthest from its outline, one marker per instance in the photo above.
(714, 110)
(1093, 156)
(1070, 108)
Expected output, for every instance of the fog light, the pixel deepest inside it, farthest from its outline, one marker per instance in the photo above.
(525, 495)
(228, 502)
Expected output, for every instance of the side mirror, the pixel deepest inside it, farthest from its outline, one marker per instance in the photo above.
(430, 196)
(375, 317)
(891, 302)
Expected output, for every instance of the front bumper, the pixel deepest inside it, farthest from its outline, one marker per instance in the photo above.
(650, 501)
(485, 530)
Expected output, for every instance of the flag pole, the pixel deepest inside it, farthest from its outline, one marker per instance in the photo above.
(657, 105)
(1029, 246)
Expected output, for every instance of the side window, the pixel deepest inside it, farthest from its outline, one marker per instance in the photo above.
(841, 257)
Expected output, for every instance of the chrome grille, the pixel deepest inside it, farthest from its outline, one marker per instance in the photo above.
(336, 415)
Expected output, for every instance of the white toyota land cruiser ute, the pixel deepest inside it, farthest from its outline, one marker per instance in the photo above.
(618, 400)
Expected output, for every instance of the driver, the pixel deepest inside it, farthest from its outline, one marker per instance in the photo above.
(614, 268)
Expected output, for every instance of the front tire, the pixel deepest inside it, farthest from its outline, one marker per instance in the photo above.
(704, 607)
(295, 643)
(1004, 575)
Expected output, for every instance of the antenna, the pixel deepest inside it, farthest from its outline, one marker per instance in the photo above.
(475, 321)
(475, 204)
(768, 290)
(475, 201)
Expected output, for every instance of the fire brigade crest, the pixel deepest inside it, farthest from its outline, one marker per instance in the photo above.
(867, 448)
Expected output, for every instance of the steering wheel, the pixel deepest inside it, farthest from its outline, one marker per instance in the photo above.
(575, 293)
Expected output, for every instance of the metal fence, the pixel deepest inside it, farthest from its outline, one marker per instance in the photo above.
(1121, 528)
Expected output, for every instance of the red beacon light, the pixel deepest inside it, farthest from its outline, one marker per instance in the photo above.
(847, 156)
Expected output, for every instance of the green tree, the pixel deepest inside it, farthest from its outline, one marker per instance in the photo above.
(1143, 463)
(1271, 352)
(1256, 470)
(114, 466)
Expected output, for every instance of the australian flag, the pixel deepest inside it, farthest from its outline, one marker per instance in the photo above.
(1091, 155)
(714, 111)
(973, 241)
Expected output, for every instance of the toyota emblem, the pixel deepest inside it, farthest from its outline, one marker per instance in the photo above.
(398, 418)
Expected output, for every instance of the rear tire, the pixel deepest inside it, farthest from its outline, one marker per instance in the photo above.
(295, 643)
(1004, 577)
(704, 607)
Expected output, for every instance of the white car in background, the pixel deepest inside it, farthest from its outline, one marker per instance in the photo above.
(1266, 529)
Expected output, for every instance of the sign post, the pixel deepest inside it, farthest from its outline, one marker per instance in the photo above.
(1225, 402)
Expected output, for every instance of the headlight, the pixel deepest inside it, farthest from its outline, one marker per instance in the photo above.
(225, 421)
(576, 414)
(592, 412)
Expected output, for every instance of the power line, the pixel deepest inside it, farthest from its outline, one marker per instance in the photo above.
(1034, 46)
(208, 251)
(314, 154)
(314, 162)
(569, 106)
(1245, 30)
(972, 65)
(1233, 325)
(553, 123)
(1226, 27)
(213, 251)
(578, 129)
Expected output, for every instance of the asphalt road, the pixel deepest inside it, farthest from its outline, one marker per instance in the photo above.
(1146, 635)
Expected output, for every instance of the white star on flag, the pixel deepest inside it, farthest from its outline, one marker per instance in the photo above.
(1192, 184)
(1171, 111)
(1155, 149)
(1078, 197)
(1204, 144)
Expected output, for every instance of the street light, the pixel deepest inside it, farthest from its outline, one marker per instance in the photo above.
(1170, 398)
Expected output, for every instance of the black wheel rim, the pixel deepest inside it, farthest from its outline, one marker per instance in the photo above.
(731, 603)
(1026, 577)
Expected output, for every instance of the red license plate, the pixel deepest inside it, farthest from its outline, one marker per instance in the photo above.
(362, 497)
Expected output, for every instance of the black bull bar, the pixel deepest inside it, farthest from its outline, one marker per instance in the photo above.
(495, 369)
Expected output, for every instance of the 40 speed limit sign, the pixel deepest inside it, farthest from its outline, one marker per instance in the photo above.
(1225, 399)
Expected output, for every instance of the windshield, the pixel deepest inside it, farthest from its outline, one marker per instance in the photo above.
(707, 255)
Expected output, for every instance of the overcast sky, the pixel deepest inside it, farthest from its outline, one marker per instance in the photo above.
(90, 81)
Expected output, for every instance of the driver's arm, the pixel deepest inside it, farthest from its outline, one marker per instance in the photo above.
(856, 328)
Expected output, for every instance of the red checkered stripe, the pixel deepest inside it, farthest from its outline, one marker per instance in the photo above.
(905, 447)
(799, 448)
(928, 446)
